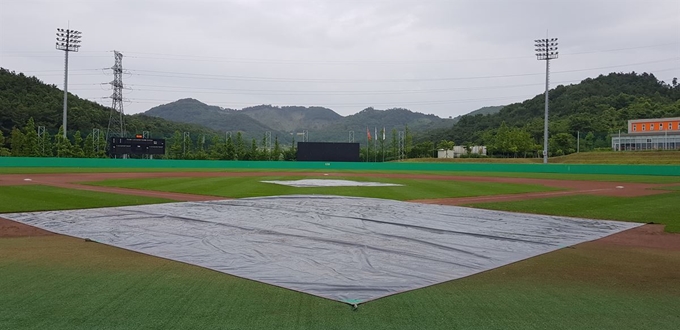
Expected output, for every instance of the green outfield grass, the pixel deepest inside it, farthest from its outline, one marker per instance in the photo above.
(30, 198)
(555, 176)
(239, 187)
(663, 208)
(59, 282)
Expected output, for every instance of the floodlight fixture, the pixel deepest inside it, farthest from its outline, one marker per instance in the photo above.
(546, 50)
(68, 41)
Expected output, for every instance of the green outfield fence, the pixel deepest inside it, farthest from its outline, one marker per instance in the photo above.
(667, 170)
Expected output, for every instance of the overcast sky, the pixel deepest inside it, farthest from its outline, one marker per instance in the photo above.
(443, 57)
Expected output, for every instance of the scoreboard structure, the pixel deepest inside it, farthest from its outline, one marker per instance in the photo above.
(328, 151)
(119, 146)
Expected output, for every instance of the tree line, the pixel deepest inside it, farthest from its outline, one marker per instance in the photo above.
(29, 141)
(26, 142)
(592, 110)
(505, 141)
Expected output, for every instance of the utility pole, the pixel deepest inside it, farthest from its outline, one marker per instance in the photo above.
(68, 41)
(402, 137)
(41, 140)
(268, 144)
(116, 118)
(546, 50)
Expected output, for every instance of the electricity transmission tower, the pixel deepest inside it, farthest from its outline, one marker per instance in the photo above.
(116, 118)
(546, 50)
(68, 41)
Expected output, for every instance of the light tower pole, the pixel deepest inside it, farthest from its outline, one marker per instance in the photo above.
(546, 50)
(68, 41)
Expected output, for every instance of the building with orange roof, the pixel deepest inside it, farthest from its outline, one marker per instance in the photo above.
(649, 134)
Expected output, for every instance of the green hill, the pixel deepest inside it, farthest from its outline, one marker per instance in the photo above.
(23, 97)
(370, 118)
(322, 124)
(599, 106)
(485, 111)
(216, 118)
(292, 118)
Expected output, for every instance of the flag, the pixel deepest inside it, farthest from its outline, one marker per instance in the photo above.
(376, 138)
(368, 134)
(383, 133)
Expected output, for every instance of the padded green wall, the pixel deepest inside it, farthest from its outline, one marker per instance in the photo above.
(669, 170)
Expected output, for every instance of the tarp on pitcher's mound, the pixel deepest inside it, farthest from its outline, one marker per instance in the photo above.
(342, 248)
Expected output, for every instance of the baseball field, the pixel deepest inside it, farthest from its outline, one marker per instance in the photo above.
(626, 280)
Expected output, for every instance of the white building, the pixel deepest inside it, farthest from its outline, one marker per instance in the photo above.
(460, 150)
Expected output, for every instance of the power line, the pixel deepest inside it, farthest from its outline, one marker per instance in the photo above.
(325, 92)
(186, 75)
(287, 92)
(198, 58)
(184, 57)
(434, 102)
(70, 70)
(372, 62)
(623, 49)
(46, 56)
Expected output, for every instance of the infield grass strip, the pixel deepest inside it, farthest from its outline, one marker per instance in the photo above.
(239, 187)
(663, 208)
(59, 282)
(30, 198)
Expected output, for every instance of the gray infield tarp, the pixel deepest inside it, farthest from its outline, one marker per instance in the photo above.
(342, 248)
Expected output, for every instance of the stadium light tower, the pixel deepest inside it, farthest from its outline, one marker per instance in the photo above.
(68, 41)
(546, 50)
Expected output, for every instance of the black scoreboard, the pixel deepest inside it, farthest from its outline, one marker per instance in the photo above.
(328, 151)
(136, 146)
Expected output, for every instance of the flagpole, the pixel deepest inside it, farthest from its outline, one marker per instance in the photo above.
(383, 144)
(368, 144)
(375, 144)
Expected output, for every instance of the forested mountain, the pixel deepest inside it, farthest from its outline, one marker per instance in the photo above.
(390, 119)
(322, 124)
(23, 97)
(483, 111)
(292, 118)
(216, 118)
(596, 106)
(437, 134)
